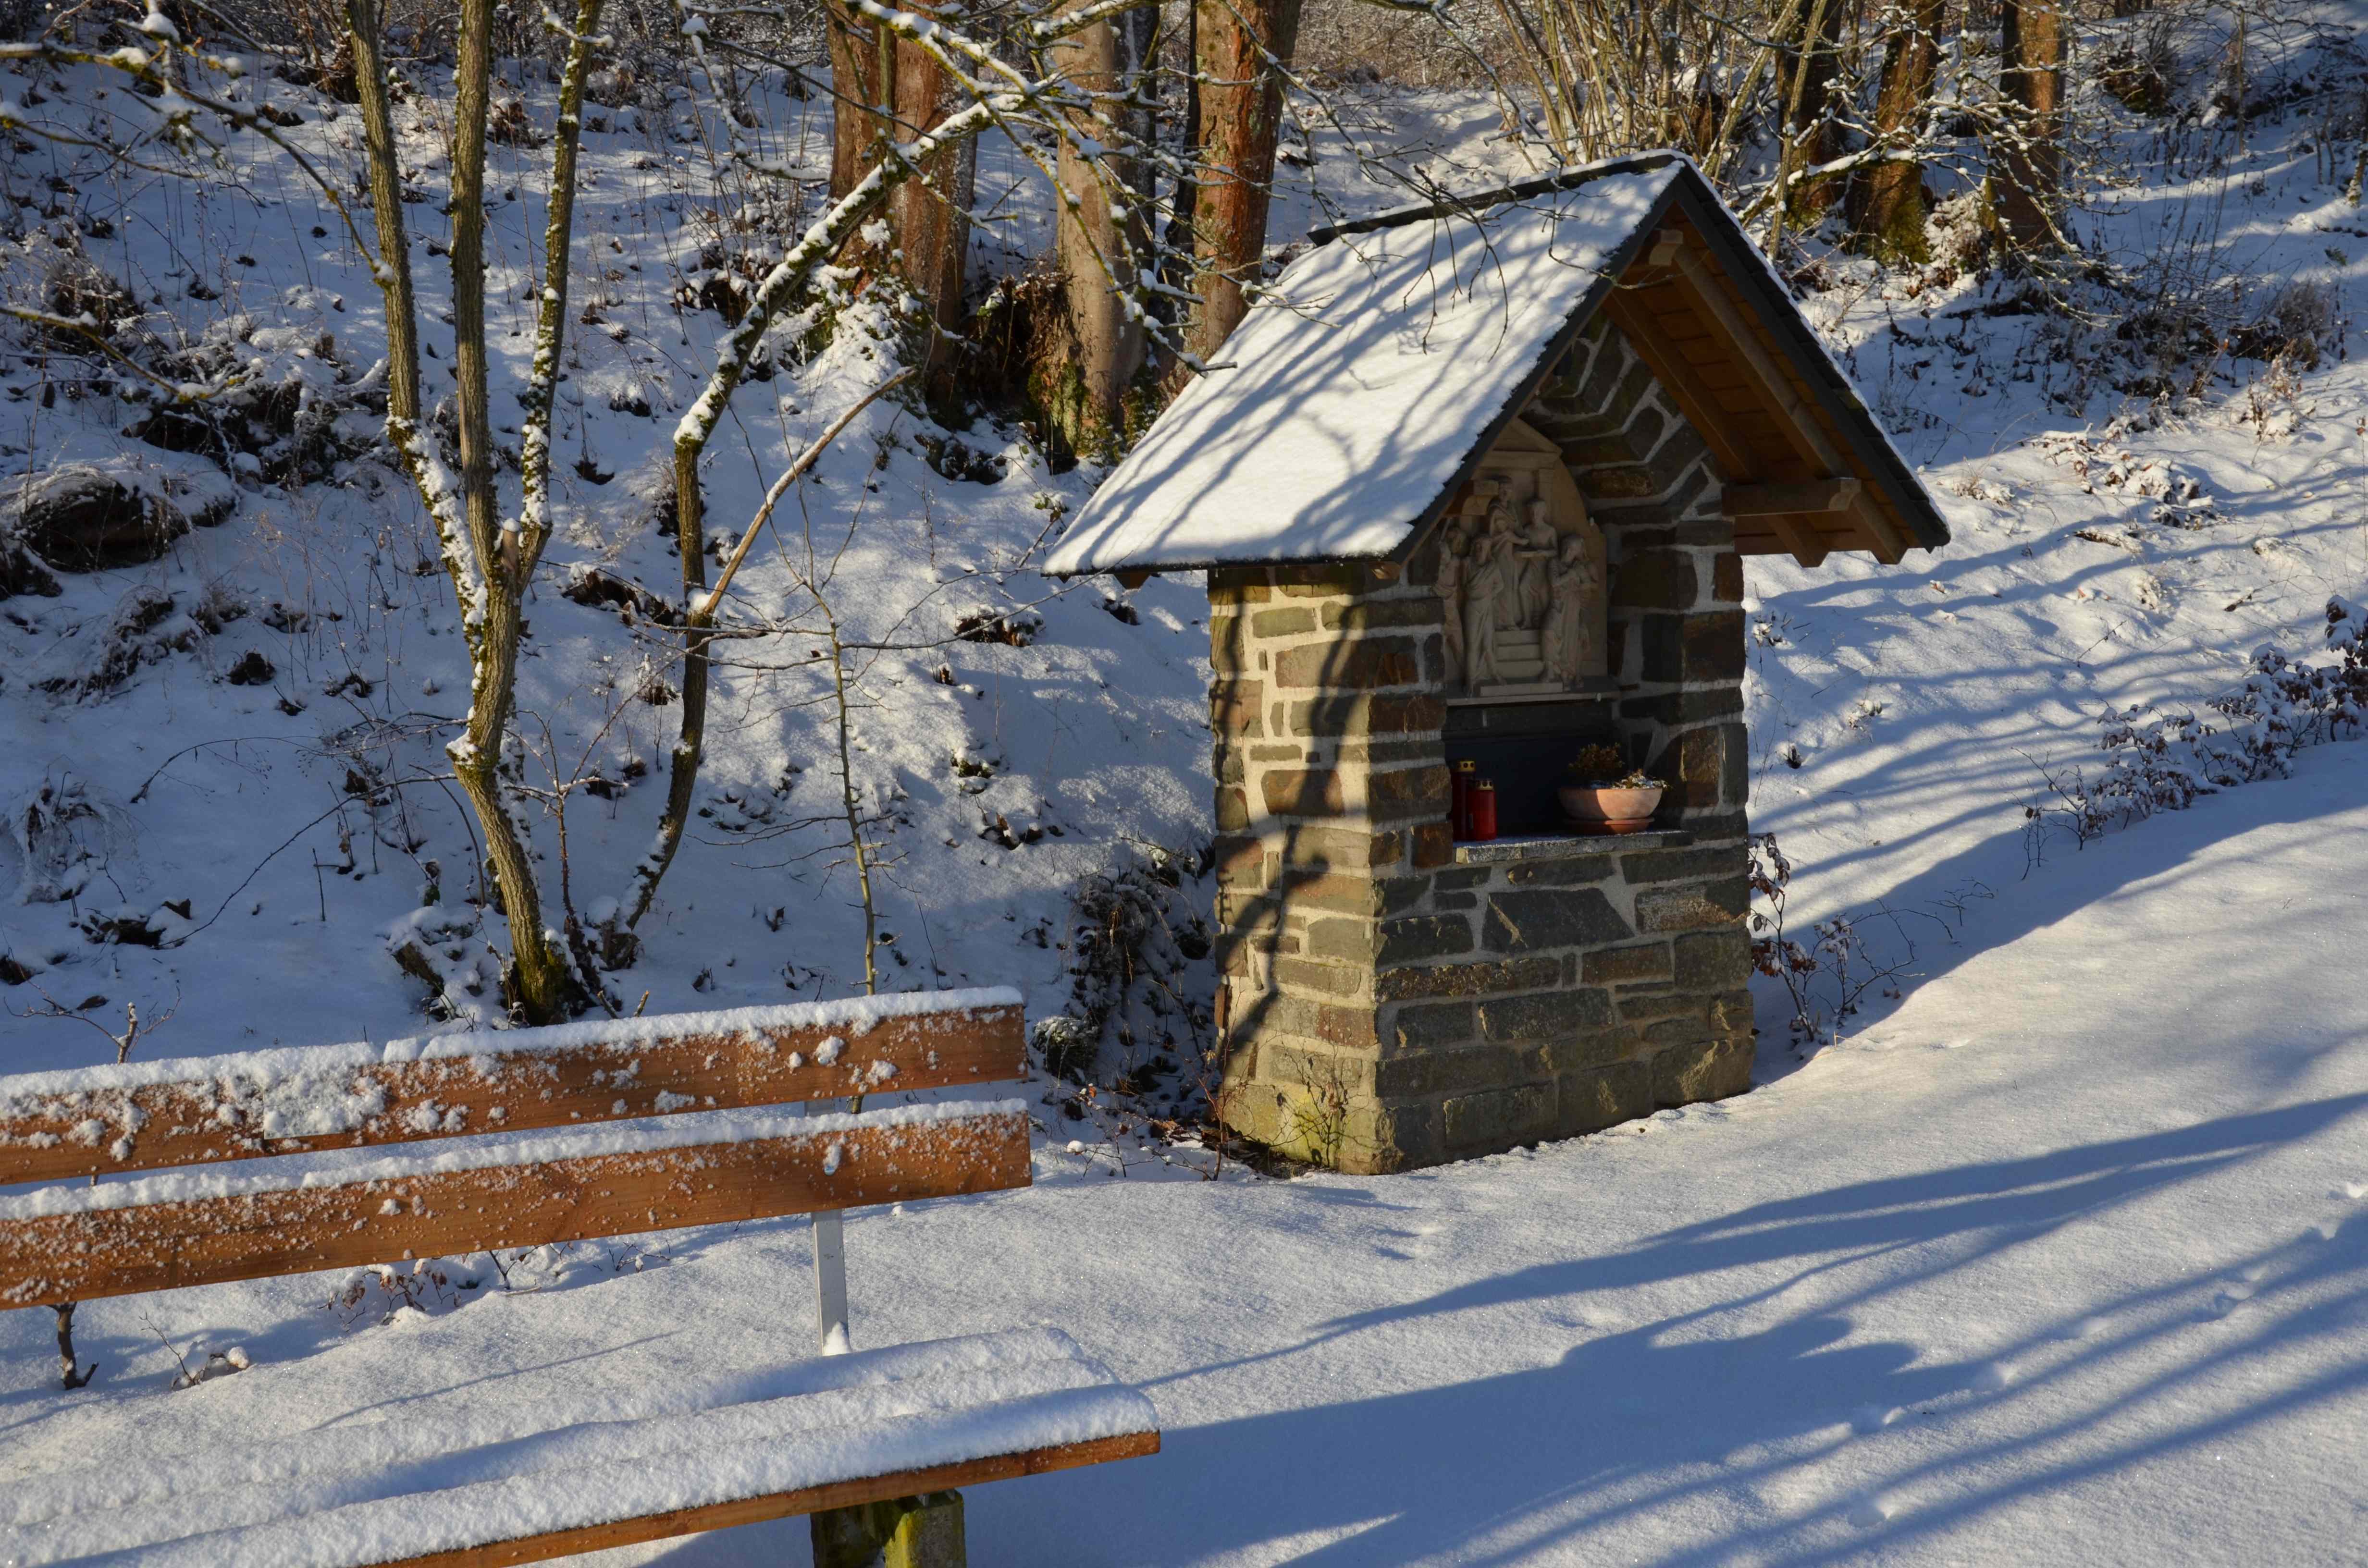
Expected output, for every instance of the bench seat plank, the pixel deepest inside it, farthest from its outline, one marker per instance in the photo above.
(824, 1434)
(264, 1218)
(782, 1505)
(191, 1110)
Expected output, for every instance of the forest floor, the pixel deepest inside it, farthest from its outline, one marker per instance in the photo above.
(2055, 1251)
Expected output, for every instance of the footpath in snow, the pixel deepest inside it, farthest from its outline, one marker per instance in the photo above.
(2063, 1260)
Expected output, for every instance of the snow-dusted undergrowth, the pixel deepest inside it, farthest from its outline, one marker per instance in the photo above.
(2060, 1247)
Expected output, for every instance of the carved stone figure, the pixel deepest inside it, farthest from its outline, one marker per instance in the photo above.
(1491, 592)
(1453, 550)
(1573, 611)
(1537, 561)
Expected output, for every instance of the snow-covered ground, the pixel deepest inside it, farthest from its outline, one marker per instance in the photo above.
(2065, 1261)
(2057, 1257)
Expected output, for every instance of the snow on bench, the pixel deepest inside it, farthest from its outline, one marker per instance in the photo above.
(149, 1114)
(310, 1212)
(956, 1411)
(343, 1156)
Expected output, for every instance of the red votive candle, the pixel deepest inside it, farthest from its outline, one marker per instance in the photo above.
(1482, 810)
(1458, 811)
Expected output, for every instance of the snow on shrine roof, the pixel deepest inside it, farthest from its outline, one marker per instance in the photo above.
(1371, 377)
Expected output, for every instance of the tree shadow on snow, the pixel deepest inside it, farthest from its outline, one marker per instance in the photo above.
(1713, 1435)
(2163, 852)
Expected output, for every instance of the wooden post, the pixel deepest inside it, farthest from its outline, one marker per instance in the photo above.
(830, 1281)
(903, 1532)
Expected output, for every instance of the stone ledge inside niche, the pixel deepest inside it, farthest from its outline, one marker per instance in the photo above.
(1558, 846)
(1593, 688)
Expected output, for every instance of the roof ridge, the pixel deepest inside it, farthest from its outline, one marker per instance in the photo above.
(1568, 177)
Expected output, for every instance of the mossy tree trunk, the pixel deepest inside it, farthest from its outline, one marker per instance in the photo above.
(1813, 133)
(1099, 242)
(904, 92)
(1886, 201)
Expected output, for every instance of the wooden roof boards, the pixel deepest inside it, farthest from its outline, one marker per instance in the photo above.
(1402, 345)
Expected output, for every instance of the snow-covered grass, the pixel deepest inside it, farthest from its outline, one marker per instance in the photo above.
(2064, 1262)
(2058, 1256)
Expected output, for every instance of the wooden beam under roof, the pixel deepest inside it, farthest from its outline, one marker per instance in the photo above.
(1776, 500)
(1700, 405)
(1798, 422)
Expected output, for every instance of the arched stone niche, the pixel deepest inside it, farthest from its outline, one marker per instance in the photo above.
(1522, 578)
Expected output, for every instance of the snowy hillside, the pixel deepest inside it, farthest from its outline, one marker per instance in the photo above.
(155, 771)
(2057, 1254)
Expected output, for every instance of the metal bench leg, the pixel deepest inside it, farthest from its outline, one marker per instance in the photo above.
(903, 1532)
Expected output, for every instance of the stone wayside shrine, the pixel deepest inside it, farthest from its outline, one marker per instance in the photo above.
(1478, 484)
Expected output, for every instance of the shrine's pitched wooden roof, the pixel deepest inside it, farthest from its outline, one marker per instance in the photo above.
(1376, 373)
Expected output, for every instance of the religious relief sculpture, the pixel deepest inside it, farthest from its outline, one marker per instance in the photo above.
(1495, 600)
(1572, 640)
(1522, 575)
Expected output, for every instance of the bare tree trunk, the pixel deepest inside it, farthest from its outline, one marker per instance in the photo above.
(1182, 206)
(1812, 135)
(487, 561)
(539, 977)
(856, 124)
(366, 22)
(2027, 159)
(1886, 201)
(1138, 49)
(1241, 117)
(551, 324)
(1094, 254)
(906, 92)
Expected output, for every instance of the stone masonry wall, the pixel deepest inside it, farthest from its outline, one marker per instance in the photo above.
(1385, 1004)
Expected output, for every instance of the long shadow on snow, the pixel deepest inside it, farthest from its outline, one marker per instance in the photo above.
(2163, 848)
(1664, 1418)
(2022, 1197)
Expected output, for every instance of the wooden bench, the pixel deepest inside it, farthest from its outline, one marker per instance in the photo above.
(343, 1156)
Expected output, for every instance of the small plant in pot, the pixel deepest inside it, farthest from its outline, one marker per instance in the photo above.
(1601, 793)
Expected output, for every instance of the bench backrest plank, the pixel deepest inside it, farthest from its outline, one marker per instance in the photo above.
(845, 1161)
(201, 1109)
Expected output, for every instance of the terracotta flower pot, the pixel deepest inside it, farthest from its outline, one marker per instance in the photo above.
(1609, 808)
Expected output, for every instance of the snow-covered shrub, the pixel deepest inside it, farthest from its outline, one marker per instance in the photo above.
(146, 627)
(2299, 326)
(78, 289)
(441, 945)
(386, 1291)
(217, 1364)
(2163, 760)
(2101, 463)
(1827, 978)
(287, 407)
(1818, 975)
(21, 571)
(2140, 71)
(66, 833)
(1139, 995)
(1066, 1047)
